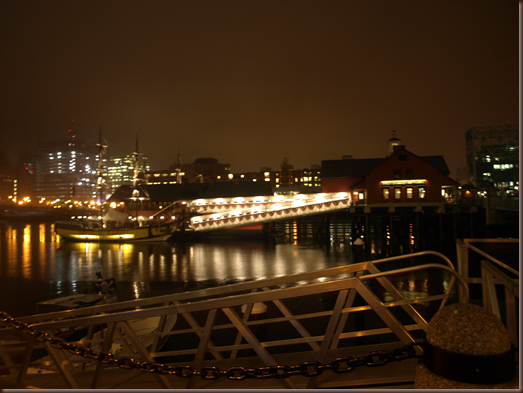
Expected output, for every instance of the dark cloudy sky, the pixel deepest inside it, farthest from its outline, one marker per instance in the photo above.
(252, 82)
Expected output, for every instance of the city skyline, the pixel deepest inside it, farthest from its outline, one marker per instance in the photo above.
(252, 83)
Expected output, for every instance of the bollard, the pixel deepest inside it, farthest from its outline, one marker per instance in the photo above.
(257, 308)
(359, 250)
(467, 347)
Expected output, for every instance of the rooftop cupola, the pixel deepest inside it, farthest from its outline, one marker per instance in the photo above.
(393, 142)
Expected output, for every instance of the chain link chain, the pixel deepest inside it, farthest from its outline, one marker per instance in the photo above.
(338, 365)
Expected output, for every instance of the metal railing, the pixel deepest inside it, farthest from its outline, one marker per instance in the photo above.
(109, 326)
(493, 272)
(491, 276)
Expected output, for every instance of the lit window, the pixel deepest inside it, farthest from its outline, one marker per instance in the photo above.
(361, 196)
(386, 193)
(409, 192)
(397, 193)
(421, 192)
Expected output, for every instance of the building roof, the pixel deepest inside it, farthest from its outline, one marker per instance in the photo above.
(437, 162)
(348, 167)
(243, 189)
(360, 167)
(175, 192)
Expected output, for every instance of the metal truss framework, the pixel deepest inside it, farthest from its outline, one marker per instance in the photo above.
(494, 141)
(499, 143)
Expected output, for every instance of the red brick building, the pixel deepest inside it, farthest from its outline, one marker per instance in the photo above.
(402, 178)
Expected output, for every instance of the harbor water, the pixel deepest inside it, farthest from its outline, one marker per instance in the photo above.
(35, 266)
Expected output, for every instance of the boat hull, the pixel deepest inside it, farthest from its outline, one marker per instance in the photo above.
(120, 235)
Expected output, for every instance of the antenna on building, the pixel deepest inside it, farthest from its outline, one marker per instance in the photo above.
(72, 133)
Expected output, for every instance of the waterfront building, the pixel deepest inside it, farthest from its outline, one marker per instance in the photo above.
(493, 159)
(167, 176)
(401, 179)
(209, 170)
(286, 180)
(202, 170)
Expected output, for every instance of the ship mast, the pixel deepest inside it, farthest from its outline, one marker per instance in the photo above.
(178, 170)
(138, 163)
(99, 172)
(138, 180)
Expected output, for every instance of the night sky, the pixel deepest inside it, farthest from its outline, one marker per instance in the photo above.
(252, 82)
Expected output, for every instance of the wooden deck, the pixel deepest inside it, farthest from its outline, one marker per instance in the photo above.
(392, 375)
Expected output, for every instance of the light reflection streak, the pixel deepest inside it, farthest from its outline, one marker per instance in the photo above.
(26, 253)
(41, 233)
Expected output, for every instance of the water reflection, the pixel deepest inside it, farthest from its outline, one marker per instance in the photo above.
(34, 266)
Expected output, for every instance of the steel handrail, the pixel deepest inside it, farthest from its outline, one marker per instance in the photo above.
(492, 259)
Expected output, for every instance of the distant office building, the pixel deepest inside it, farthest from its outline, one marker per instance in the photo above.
(8, 185)
(308, 180)
(493, 158)
(202, 170)
(67, 170)
(26, 176)
(205, 170)
(286, 180)
(209, 170)
(120, 170)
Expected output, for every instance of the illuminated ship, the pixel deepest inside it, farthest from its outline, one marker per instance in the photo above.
(112, 225)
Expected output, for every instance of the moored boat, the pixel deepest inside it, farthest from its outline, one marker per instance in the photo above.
(125, 233)
(115, 226)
